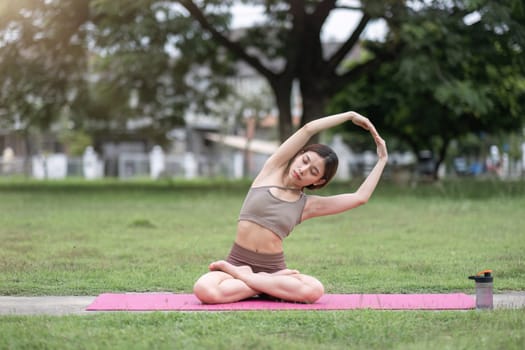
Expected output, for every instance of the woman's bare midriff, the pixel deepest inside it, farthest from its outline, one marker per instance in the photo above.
(257, 238)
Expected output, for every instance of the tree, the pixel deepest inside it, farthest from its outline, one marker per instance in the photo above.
(454, 76)
(287, 46)
(42, 61)
(106, 61)
(136, 77)
(61, 59)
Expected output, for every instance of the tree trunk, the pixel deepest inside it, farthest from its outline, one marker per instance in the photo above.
(313, 108)
(283, 98)
(441, 157)
(314, 101)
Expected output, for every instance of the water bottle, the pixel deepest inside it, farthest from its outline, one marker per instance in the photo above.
(484, 284)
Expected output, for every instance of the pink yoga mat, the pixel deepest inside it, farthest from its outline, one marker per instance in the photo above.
(188, 302)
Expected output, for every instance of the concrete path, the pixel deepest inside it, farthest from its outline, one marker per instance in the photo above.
(76, 305)
(48, 305)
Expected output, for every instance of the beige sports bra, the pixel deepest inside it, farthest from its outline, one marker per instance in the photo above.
(279, 216)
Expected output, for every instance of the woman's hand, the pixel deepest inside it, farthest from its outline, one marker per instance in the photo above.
(364, 122)
(382, 151)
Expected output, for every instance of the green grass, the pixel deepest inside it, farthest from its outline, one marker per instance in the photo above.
(86, 238)
(363, 329)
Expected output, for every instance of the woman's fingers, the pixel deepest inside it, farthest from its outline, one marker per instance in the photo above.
(381, 147)
(365, 123)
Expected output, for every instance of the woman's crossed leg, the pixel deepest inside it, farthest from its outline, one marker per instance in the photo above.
(226, 283)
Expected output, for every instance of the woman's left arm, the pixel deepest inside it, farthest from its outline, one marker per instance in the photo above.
(328, 205)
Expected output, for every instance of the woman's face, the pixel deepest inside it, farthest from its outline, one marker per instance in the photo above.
(307, 169)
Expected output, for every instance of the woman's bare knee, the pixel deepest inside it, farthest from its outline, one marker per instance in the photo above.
(206, 293)
(315, 294)
(312, 290)
(217, 287)
(206, 289)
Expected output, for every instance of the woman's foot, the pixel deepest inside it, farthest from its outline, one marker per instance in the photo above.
(234, 271)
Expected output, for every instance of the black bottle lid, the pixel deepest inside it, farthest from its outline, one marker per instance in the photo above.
(484, 276)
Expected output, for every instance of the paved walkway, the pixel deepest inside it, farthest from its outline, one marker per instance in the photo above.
(76, 305)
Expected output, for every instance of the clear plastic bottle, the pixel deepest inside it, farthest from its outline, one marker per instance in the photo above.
(484, 289)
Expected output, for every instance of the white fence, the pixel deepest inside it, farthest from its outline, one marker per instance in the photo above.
(156, 165)
(130, 165)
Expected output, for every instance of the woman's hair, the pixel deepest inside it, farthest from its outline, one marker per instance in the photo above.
(330, 162)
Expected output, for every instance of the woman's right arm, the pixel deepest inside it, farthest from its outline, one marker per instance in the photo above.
(298, 140)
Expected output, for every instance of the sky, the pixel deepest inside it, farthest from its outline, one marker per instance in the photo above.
(338, 26)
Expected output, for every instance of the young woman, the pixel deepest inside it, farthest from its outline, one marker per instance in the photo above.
(276, 203)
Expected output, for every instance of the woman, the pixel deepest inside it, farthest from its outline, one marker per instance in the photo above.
(276, 203)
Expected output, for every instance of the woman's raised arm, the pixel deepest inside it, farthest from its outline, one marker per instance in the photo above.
(297, 141)
(329, 205)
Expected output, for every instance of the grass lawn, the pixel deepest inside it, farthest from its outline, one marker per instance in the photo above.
(82, 238)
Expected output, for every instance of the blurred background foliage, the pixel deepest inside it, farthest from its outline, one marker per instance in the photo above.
(445, 70)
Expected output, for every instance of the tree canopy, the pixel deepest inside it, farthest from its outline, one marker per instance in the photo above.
(461, 70)
(106, 62)
(286, 46)
(126, 45)
(42, 60)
